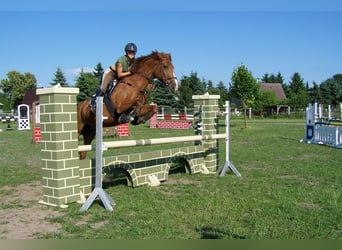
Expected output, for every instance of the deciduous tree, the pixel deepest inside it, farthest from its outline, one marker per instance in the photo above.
(16, 85)
(245, 87)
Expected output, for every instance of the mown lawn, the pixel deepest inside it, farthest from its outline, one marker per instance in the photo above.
(288, 190)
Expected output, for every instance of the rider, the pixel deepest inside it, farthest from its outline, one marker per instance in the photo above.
(116, 71)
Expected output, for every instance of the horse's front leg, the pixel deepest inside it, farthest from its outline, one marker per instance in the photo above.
(125, 118)
(144, 114)
(135, 111)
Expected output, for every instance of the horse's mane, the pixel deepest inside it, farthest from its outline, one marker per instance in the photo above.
(140, 61)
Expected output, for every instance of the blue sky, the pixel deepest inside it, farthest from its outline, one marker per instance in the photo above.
(212, 40)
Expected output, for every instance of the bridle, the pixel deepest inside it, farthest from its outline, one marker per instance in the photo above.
(164, 79)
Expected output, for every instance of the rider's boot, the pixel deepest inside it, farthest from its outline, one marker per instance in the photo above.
(92, 104)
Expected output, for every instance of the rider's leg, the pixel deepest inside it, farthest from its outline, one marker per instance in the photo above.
(92, 104)
(108, 77)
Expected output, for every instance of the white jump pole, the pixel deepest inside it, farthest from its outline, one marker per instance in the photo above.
(98, 190)
(152, 141)
(228, 163)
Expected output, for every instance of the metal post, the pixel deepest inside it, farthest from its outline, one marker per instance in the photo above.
(228, 163)
(329, 113)
(98, 190)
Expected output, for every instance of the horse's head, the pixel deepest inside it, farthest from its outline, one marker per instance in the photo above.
(166, 73)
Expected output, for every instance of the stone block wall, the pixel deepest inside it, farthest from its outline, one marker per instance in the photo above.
(209, 105)
(58, 122)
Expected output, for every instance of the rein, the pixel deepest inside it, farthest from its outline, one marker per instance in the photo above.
(142, 91)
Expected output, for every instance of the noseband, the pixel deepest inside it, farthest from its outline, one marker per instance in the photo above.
(164, 79)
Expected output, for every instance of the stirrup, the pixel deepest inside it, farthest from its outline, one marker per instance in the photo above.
(92, 104)
(93, 109)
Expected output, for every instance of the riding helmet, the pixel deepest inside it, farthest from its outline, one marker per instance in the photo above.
(131, 47)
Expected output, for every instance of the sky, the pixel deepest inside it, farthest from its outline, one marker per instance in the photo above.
(210, 38)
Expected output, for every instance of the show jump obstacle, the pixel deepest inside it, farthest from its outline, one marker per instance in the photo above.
(171, 121)
(320, 130)
(67, 179)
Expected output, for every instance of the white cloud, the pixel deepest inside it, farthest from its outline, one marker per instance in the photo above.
(77, 71)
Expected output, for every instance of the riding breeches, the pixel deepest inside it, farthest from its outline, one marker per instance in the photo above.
(108, 77)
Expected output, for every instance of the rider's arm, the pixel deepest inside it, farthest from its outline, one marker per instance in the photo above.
(119, 71)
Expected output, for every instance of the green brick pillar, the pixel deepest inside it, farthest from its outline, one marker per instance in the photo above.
(210, 110)
(58, 122)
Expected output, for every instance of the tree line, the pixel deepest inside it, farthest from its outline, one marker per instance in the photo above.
(242, 85)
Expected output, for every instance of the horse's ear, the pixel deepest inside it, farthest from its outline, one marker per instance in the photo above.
(158, 54)
(167, 56)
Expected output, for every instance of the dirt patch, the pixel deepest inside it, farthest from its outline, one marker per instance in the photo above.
(21, 217)
(309, 205)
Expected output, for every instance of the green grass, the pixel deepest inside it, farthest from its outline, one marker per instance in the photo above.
(288, 190)
(19, 159)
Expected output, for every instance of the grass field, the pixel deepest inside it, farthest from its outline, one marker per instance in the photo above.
(288, 190)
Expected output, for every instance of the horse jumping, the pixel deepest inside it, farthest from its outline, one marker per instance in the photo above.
(127, 102)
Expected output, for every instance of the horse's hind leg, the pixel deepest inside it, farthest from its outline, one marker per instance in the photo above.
(145, 113)
(88, 133)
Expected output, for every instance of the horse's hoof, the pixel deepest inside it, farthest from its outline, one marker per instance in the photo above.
(124, 119)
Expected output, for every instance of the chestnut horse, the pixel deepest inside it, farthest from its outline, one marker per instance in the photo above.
(127, 102)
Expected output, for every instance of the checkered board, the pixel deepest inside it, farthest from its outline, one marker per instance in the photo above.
(23, 124)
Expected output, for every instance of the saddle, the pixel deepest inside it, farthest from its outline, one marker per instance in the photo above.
(106, 99)
(110, 89)
(122, 118)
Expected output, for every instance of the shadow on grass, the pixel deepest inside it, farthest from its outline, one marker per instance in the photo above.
(115, 177)
(217, 233)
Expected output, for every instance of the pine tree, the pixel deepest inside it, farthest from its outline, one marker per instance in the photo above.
(87, 83)
(297, 83)
(331, 90)
(223, 92)
(315, 93)
(164, 97)
(98, 72)
(279, 78)
(265, 78)
(210, 86)
(272, 78)
(189, 86)
(298, 96)
(59, 78)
